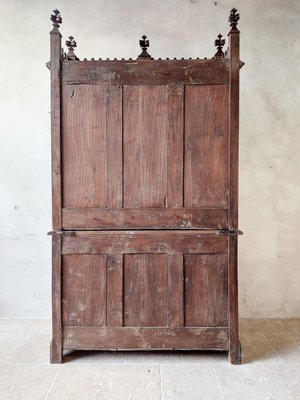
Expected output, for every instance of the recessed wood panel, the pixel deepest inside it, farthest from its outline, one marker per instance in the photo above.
(84, 290)
(145, 290)
(92, 146)
(206, 179)
(206, 290)
(145, 146)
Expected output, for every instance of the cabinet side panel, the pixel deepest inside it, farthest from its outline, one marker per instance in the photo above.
(84, 290)
(206, 181)
(145, 145)
(206, 290)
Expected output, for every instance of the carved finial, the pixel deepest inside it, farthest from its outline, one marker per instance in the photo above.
(71, 44)
(219, 43)
(144, 44)
(56, 19)
(233, 19)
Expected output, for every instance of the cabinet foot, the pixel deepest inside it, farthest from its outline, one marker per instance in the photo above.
(56, 353)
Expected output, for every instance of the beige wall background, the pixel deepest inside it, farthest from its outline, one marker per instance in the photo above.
(269, 272)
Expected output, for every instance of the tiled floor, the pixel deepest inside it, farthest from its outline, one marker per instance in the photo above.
(270, 370)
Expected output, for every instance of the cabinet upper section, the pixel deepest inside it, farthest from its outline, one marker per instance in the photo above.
(144, 143)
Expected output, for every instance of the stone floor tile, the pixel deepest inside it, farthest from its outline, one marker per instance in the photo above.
(259, 382)
(153, 357)
(269, 325)
(192, 382)
(106, 382)
(24, 382)
(32, 325)
(10, 343)
(204, 357)
(295, 322)
(287, 346)
(95, 357)
(255, 348)
(35, 351)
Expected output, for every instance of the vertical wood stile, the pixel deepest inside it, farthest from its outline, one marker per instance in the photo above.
(234, 55)
(55, 67)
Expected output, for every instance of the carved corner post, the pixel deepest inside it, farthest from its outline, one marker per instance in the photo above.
(234, 56)
(55, 67)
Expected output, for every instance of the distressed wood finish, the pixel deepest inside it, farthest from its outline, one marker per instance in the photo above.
(146, 72)
(145, 200)
(206, 289)
(150, 338)
(84, 290)
(206, 146)
(159, 218)
(170, 242)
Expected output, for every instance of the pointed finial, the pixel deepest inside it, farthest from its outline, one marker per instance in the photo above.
(219, 43)
(233, 19)
(71, 44)
(56, 19)
(144, 44)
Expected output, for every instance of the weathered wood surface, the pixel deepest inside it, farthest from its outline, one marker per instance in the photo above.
(92, 338)
(206, 166)
(152, 72)
(92, 136)
(156, 242)
(158, 218)
(84, 290)
(206, 289)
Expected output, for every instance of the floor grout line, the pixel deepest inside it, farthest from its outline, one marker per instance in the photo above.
(51, 385)
(216, 376)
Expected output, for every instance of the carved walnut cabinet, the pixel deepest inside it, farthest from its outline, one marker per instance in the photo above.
(145, 200)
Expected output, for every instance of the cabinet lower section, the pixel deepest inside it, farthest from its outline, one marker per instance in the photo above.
(147, 290)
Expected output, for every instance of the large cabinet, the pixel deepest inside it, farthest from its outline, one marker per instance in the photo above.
(145, 200)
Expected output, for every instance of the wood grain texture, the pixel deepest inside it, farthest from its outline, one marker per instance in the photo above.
(145, 146)
(183, 218)
(234, 53)
(145, 290)
(175, 148)
(235, 346)
(206, 290)
(55, 68)
(175, 290)
(156, 242)
(153, 72)
(114, 294)
(129, 338)
(92, 134)
(56, 349)
(206, 166)
(84, 290)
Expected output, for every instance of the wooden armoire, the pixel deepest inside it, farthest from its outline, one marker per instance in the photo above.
(145, 200)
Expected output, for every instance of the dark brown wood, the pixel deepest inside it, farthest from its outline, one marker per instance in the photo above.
(56, 349)
(84, 290)
(158, 218)
(146, 72)
(235, 346)
(206, 289)
(156, 242)
(150, 338)
(234, 56)
(145, 198)
(206, 146)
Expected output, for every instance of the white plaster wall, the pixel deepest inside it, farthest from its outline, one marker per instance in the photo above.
(269, 132)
